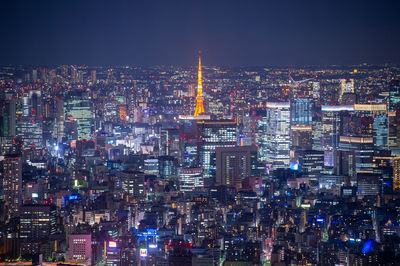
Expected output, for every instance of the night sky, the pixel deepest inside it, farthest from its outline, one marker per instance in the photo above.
(231, 33)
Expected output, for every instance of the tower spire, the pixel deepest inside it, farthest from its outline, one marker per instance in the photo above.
(199, 98)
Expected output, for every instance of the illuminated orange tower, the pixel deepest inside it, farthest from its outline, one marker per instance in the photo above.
(199, 98)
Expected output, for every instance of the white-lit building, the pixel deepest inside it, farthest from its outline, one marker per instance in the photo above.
(80, 248)
(191, 178)
(278, 134)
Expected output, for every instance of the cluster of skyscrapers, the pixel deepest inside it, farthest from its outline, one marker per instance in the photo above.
(139, 166)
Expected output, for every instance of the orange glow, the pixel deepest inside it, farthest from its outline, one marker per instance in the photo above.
(199, 99)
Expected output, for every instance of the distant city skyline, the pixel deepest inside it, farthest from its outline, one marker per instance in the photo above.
(230, 33)
(189, 133)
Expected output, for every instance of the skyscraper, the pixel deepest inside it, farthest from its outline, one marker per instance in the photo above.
(357, 137)
(169, 142)
(7, 119)
(38, 222)
(30, 125)
(213, 134)
(346, 87)
(12, 183)
(188, 138)
(278, 134)
(133, 184)
(77, 106)
(234, 164)
(301, 111)
(396, 173)
(191, 178)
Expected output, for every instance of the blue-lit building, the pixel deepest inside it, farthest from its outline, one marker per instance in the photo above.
(301, 111)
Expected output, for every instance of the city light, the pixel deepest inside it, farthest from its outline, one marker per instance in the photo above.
(143, 252)
(279, 145)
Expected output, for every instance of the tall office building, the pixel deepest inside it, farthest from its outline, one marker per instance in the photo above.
(7, 118)
(191, 179)
(167, 166)
(60, 120)
(213, 134)
(312, 163)
(93, 76)
(234, 164)
(151, 166)
(133, 185)
(385, 165)
(316, 91)
(77, 106)
(80, 248)
(261, 135)
(38, 222)
(169, 142)
(301, 121)
(353, 132)
(12, 183)
(110, 111)
(394, 117)
(30, 124)
(301, 138)
(346, 87)
(278, 135)
(31, 131)
(381, 130)
(250, 126)
(331, 122)
(396, 174)
(188, 139)
(368, 184)
(113, 253)
(32, 103)
(301, 110)
(317, 134)
(356, 147)
(7, 123)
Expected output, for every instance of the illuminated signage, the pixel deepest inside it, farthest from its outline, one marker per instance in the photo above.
(294, 166)
(278, 105)
(152, 245)
(35, 195)
(112, 244)
(143, 252)
(73, 197)
(367, 247)
(337, 108)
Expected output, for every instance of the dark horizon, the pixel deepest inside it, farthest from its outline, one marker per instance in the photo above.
(230, 33)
